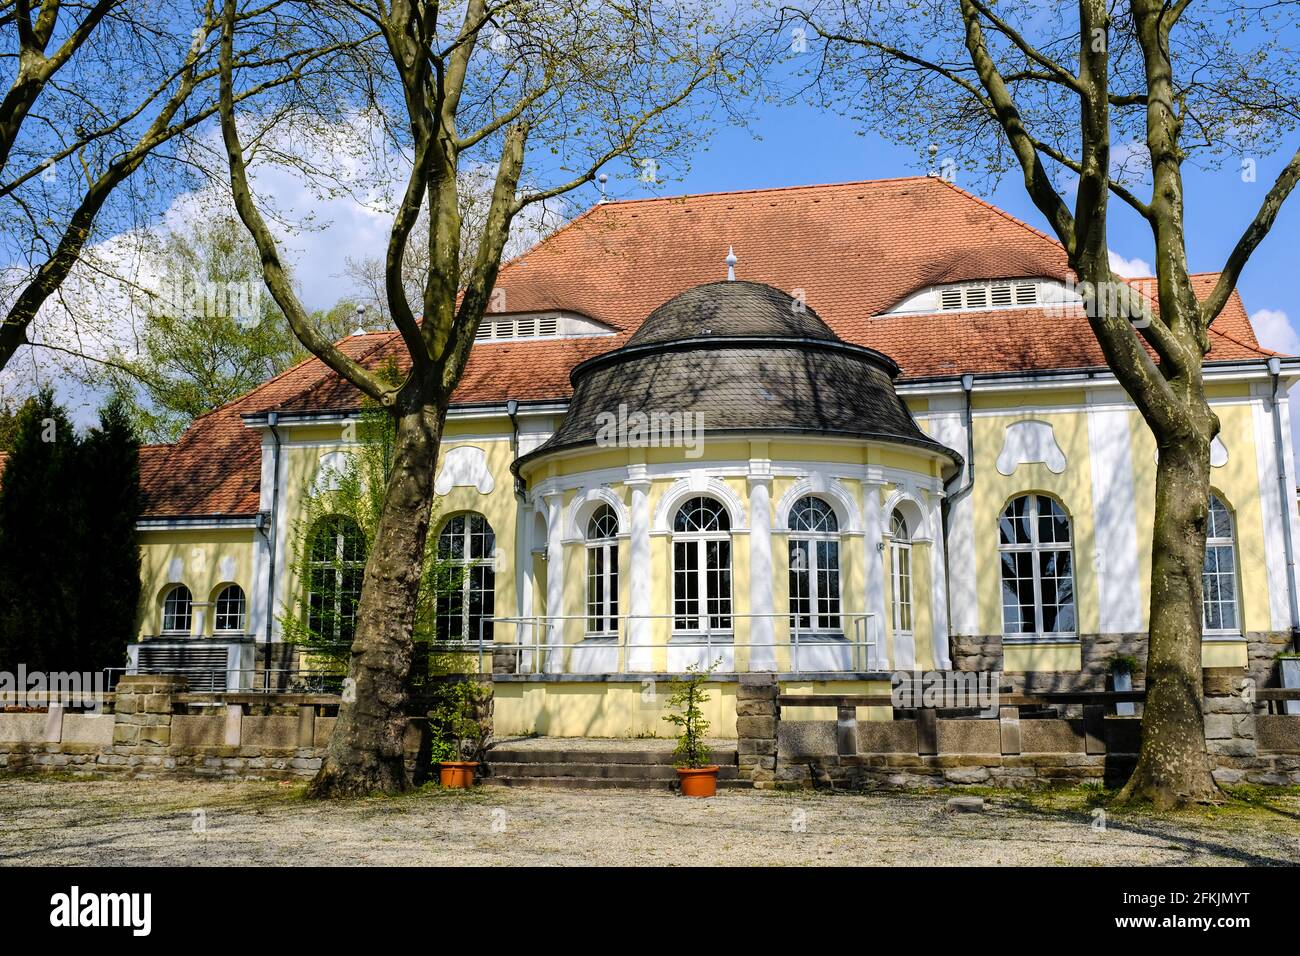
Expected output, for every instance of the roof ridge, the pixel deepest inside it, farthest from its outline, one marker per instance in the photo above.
(764, 189)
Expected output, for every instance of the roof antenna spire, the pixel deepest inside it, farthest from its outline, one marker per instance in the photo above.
(361, 320)
(603, 178)
(731, 264)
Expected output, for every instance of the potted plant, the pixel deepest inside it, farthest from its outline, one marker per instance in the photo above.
(460, 726)
(698, 777)
(1122, 669)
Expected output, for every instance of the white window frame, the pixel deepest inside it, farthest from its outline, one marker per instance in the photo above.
(1036, 547)
(189, 611)
(1230, 543)
(339, 565)
(467, 565)
(812, 573)
(699, 541)
(602, 573)
(217, 612)
(900, 548)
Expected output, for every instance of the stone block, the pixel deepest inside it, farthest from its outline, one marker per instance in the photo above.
(756, 727)
(969, 737)
(1278, 733)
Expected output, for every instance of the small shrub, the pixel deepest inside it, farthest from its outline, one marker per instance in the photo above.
(460, 723)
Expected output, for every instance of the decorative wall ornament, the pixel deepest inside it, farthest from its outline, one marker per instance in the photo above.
(1028, 442)
(329, 470)
(464, 465)
(1218, 453)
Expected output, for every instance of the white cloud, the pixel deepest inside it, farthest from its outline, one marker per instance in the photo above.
(1130, 268)
(1274, 331)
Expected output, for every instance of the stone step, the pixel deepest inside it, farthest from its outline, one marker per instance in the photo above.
(723, 758)
(597, 770)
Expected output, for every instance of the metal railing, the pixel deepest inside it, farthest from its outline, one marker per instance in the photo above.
(566, 644)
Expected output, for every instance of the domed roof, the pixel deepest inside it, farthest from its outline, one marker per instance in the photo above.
(729, 309)
(740, 358)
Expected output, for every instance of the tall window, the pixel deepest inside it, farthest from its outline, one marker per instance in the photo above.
(231, 614)
(814, 566)
(336, 565)
(178, 610)
(1037, 568)
(466, 602)
(1219, 578)
(602, 572)
(900, 560)
(702, 566)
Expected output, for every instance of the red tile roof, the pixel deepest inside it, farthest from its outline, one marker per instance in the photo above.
(854, 249)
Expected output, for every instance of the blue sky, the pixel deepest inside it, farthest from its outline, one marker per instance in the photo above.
(799, 145)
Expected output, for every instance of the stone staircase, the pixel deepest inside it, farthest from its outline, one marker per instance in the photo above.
(598, 765)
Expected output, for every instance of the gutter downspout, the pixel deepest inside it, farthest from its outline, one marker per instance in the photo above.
(268, 532)
(1285, 499)
(951, 497)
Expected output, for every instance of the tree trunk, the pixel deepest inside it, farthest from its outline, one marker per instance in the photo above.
(365, 752)
(1173, 769)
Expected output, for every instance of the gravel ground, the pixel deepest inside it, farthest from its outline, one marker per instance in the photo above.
(44, 821)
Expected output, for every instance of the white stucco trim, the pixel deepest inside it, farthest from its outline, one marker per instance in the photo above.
(822, 485)
(698, 482)
(1115, 559)
(639, 634)
(1279, 601)
(948, 425)
(921, 523)
(873, 547)
(584, 504)
(938, 591)
(762, 630)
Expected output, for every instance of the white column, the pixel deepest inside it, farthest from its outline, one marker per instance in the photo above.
(1114, 512)
(762, 629)
(874, 554)
(640, 628)
(523, 575)
(554, 580)
(938, 588)
(947, 420)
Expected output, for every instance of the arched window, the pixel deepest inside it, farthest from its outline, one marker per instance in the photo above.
(1219, 577)
(336, 566)
(702, 566)
(178, 610)
(602, 572)
(231, 613)
(900, 561)
(1037, 567)
(814, 566)
(467, 600)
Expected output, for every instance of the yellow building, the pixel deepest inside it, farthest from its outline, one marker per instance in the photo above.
(886, 441)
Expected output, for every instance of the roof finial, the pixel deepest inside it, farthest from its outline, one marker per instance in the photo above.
(731, 264)
(603, 179)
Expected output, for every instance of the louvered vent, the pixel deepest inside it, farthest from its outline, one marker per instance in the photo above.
(548, 325)
(1026, 294)
(977, 297)
(950, 298)
(1000, 295)
(205, 666)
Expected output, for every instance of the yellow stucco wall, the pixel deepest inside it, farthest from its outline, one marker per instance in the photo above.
(204, 560)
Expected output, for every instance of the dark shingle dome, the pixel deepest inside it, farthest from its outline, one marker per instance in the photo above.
(724, 309)
(743, 359)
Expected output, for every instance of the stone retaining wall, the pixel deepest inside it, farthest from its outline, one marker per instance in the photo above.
(146, 737)
(1010, 751)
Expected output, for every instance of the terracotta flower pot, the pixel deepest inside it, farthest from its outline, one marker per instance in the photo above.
(698, 781)
(457, 774)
